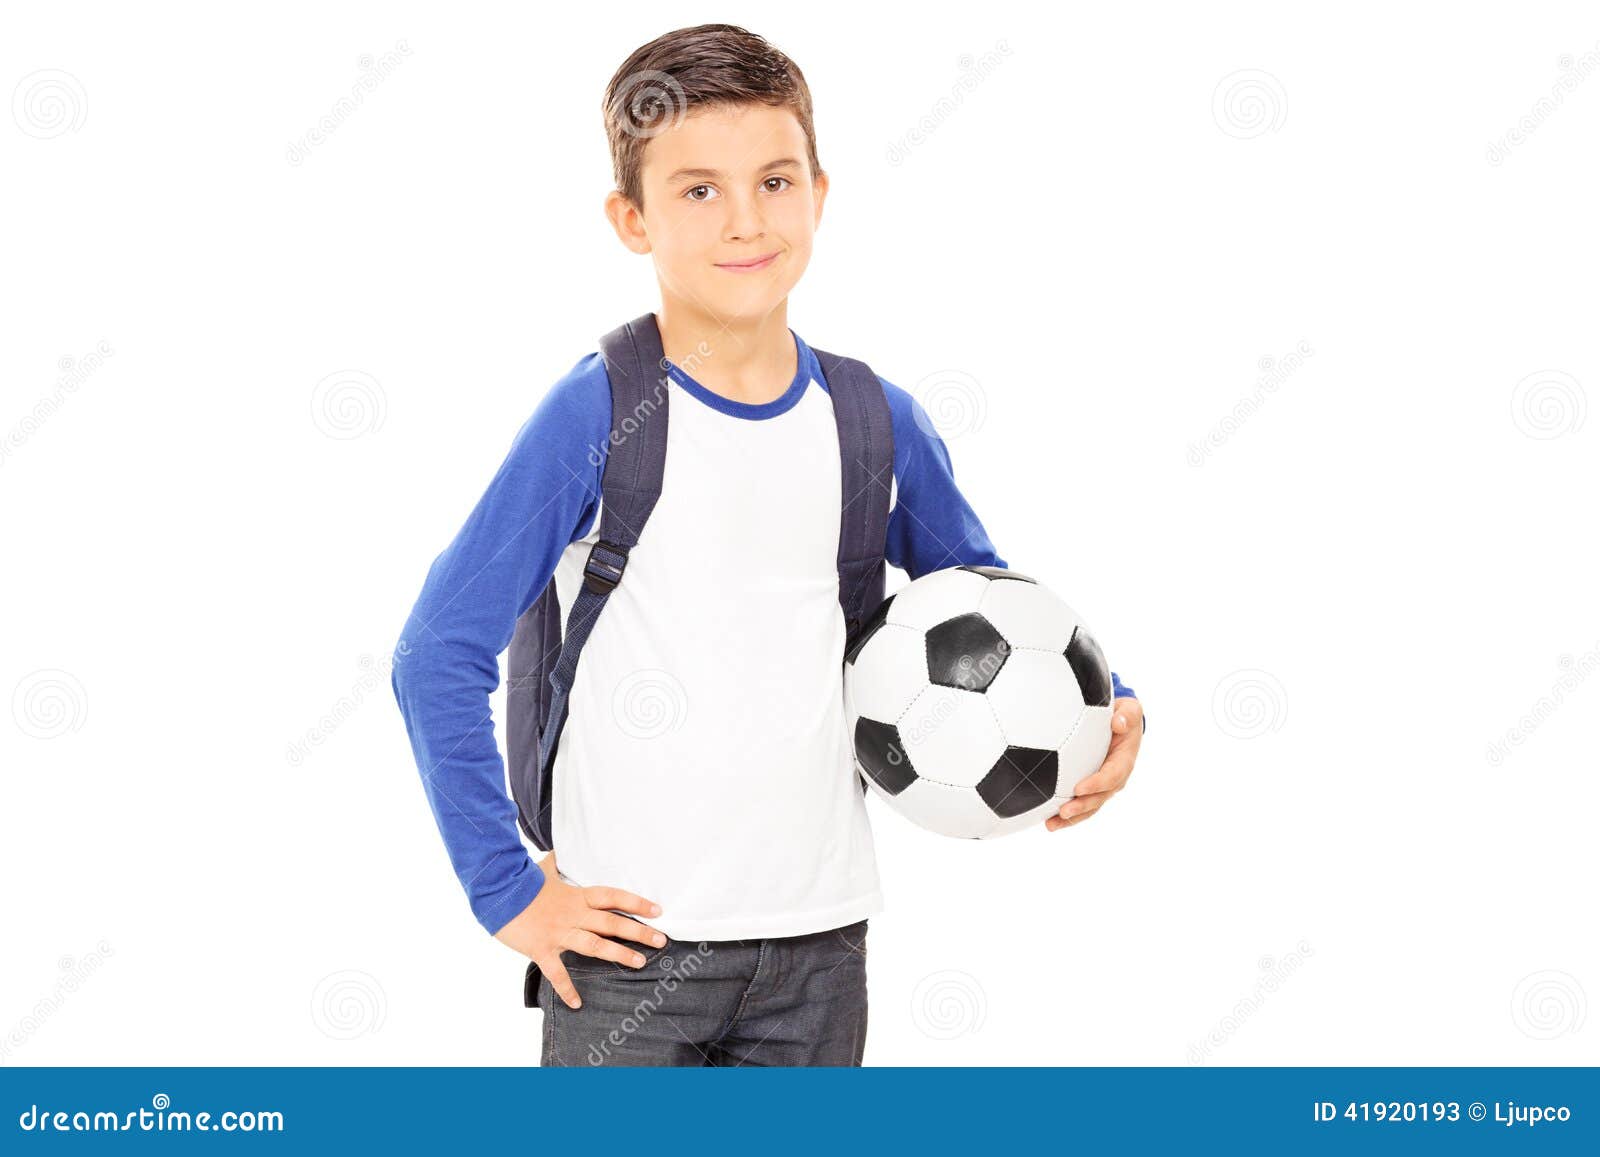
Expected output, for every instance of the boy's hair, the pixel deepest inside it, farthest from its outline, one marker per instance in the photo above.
(709, 65)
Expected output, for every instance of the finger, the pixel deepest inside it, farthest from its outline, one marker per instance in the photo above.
(586, 942)
(1079, 804)
(1060, 820)
(1076, 810)
(555, 972)
(599, 896)
(1113, 773)
(1127, 723)
(614, 925)
(1056, 823)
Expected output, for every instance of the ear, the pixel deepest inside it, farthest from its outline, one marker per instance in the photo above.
(819, 195)
(627, 221)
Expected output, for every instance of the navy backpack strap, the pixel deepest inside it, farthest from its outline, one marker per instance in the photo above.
(535, 645)
(866, 458)
(631, 484)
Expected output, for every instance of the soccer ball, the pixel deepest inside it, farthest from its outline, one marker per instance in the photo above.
(975, 700)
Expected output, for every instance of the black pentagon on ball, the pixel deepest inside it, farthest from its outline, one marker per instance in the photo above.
(868, 629)
(998, 572)
(1089, 665)
(1021, 779)
(965, 652)
(883, 756)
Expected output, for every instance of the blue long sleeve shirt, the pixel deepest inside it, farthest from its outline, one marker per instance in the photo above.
(543, 497)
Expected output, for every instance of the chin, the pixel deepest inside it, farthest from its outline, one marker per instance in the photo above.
(752, 307)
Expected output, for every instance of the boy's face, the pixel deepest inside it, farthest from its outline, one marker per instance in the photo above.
(723, 188)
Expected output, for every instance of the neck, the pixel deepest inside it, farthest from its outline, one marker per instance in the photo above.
(745, 359)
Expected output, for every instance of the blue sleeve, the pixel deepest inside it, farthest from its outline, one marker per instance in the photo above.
(931, 525)
(542, 498)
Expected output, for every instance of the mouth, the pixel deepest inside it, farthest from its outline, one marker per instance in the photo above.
(753, 265)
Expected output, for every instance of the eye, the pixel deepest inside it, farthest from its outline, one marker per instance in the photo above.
(785, 180)
(690, 193)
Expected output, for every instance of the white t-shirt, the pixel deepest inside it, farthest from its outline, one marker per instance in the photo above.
(705, 761)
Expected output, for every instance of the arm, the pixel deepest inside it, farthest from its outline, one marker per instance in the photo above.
(931, 525)
(542, 498)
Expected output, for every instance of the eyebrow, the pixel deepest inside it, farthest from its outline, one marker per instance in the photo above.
(713, 174)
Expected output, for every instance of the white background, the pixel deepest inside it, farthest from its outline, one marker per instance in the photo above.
(1331, 613)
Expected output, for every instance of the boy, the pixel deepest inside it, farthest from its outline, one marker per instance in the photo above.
(706, 804)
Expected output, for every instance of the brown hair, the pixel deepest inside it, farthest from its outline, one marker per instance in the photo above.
(708, 65)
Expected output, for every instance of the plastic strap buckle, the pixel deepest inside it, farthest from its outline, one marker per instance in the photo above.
(603, 571)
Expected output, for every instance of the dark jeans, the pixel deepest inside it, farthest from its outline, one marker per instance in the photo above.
(786, 1000)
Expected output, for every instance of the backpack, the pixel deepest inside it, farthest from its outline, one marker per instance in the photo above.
(542, 663)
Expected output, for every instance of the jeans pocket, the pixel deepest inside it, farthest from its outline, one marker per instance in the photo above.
(530, 986)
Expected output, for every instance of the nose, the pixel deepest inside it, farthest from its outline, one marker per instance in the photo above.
(744, 218)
